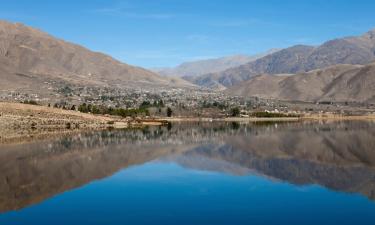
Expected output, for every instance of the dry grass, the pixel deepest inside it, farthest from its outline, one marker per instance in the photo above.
(21, 120)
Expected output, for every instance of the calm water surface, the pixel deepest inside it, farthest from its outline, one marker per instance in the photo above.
(208, 173)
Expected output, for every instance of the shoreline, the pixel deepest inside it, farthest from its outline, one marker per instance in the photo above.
(20, 121)
(272, 119)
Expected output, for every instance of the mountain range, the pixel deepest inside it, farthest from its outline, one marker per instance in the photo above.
(30, 57)
(338, 70)
(338, 83)
(297, 59)
(193, 69)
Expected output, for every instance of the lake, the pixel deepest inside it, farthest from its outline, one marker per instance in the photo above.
(194, 173)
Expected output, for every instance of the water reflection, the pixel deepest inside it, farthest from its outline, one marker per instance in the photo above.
(339, 156)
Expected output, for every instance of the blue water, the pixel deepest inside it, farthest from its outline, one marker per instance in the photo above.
(298, 173)
(166, 193)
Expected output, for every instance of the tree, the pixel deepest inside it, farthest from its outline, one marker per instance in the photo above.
(95, 109)
(145, 104)
(235, 112)
(169, 112)
(83, 108)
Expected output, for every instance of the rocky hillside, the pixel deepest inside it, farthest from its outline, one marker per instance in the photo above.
(29, 57)
(297, 59)
(189, 70)
(339, 83)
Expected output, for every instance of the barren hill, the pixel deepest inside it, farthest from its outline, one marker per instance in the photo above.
(339, 83)
(29, 57)
(192, 69)
(297, 59)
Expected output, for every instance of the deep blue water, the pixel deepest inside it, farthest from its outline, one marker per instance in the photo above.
(171, 190)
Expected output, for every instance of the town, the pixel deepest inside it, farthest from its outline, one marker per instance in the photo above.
(176, 102)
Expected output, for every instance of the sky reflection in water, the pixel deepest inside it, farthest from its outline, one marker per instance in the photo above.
(227, 180)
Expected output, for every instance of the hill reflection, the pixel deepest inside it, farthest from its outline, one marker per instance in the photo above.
(339, 156)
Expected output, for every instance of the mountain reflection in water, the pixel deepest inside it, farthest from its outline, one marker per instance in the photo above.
(337, 155)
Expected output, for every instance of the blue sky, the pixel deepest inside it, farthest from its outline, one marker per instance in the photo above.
(157, 33)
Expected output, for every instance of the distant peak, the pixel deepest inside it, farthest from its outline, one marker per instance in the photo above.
(371, 33)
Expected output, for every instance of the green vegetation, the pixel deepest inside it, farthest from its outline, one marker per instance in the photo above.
(66, 91)
(271, 115)
(94, 109)
(235, 112)
(30, 102)
(215, 104)
(148, 104)
(169, 112)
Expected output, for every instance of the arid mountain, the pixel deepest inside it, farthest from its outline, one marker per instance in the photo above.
(297, 59)
(339, 83)
(29, 57)
(200, 67)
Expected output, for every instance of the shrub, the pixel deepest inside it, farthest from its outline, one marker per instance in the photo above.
(30, 102)
(235, 112)
(169, 112)
(270, 115)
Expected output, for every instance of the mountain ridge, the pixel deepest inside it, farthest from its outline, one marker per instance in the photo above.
(338, 83)
(192, 69)
(297, 59)
(29, 56)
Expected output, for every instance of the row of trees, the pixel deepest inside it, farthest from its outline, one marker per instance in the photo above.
(148, 104)
(141, 111)
(94, 109)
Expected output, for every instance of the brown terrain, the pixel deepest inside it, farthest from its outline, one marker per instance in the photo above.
(19, 121)
(339, 83)
(34, 61)
(189, 70)
(298, 59)
(23, 122)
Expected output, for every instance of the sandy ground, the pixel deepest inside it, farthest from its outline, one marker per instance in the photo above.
(21, 120)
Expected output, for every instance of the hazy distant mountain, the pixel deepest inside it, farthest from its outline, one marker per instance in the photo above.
(296, 59)
(29, 57)
(196, 68)
(337, 83)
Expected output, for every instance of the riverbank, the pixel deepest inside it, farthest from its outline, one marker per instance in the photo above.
(20, 121)
(233, 119)
(23, 121)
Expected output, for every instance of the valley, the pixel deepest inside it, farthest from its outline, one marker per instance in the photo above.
(333, 80)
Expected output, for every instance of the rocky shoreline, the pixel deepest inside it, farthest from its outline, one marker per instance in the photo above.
(22, 122)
